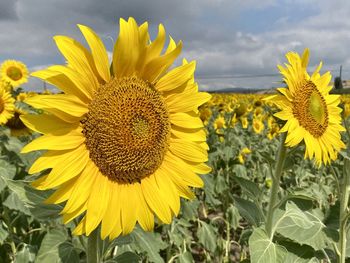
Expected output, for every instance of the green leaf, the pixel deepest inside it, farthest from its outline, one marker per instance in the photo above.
(25, 254)
(56, 248)
(233, 216)
(14, 203)
(249, 211)
(206, 235)
(248, 187)
(34, 199)
(7, 170)
(3, 233)
(263, 250)
(127, 257)
(302, 227)
(186, 257)
(149, 242)
(189, 209)
(292, 258)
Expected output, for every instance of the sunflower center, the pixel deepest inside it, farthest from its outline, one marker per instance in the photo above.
(127, 129)
(14, 73)
(2, 105)
(310, 108)
(15, 122)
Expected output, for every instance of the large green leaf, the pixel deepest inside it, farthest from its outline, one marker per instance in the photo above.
(248, 187)
(56, 248)
(33, 200)
(263, 250)
(249, 211)
(149, 242)
(207, 236)
(301, 226)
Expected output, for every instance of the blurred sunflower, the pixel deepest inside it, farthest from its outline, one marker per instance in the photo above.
(123, 144)
(7, 106)
(244, 122)
(21, 96)
(258, 125)
(15, 124)
(310, 112)
(14, 72)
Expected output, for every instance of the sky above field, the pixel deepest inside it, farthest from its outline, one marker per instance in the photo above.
(236, 43)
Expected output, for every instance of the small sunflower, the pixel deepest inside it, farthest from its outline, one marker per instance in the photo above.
(14, 72)
(7, 106)
(310, 112)
(258, 125)
(125, 141)
(21, 96)
(15, 124)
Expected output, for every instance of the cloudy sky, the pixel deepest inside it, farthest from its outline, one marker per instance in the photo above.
(237, 43)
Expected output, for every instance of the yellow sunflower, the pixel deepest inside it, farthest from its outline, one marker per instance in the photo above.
(125, 141)
(14, 72)
(310, 112)
(7, 106)
(15, 124)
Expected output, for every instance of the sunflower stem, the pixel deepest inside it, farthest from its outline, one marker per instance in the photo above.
(281, 156)
(92, 252)
(343, 216)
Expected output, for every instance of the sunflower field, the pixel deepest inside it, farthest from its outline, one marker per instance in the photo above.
(131, 163)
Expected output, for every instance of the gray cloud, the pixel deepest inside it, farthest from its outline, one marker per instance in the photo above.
(8, 10)
(211, 30)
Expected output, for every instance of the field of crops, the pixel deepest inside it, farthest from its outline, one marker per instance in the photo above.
(226, 220)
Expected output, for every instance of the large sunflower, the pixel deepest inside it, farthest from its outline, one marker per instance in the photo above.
(7, 106)
(14, 73)
(125, 141)
(310, 112)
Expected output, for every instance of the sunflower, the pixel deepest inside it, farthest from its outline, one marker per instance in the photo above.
(258, 125)
(7, 106)
(125, 140)
(310, 112)
(15, 124)
(14, 72)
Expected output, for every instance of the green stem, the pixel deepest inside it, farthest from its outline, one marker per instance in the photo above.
(92, 247)
(281, 156)
(344, 199)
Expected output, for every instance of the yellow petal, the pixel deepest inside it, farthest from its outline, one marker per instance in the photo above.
(74, 164)
(156, 67)
(185, 101)
(98, 51)
(62, 194)
(196, 135)
(186, 120)
(127, 49)
(47, 124)
(129, 198)
(153, 198)
(112, 215)
(98, 203)
(167, 190)
(176, 77)
(63, 82)
(82, 187)
(67, 217)
(183, 170)
(78, 58)
(48, 160)
(145, 216)
(188, 150)
(49, 142)
(78, 79)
